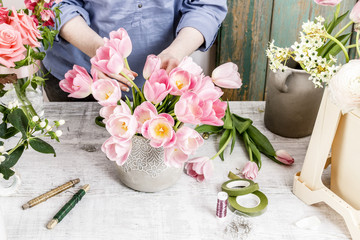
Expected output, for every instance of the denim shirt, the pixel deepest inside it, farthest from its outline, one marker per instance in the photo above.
(152, 26)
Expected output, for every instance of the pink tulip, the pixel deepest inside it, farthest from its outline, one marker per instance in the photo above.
(180, 81)
(24, 24)
(122, 108)
(108, 61)
(250, 171)
(160, 131)
(11, 47)
(117, 150)
(284, 157)
(200, 168)
(328, 2)
(355, 13)
(77, 82)
(157, 87)
(213, 113)
(122, 126)
(106, 91)
(189, 108)
(152, 65)
(188, 65)
(120, 42)
(174, 157)
(188, 140)
(106, 112)
(143, 113)
(227, 76)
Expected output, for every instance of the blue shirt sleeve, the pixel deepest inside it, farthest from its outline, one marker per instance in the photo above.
(69, 10)
(204, 15)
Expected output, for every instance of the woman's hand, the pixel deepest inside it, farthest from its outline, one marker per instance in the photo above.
(169, 61)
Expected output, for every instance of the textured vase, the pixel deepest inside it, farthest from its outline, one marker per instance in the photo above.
(145, 169)
(292, 103)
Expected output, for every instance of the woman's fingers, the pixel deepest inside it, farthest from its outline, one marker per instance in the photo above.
(119, 78)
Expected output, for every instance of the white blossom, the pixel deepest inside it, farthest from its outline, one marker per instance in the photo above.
(61, 122)
(58, 133)
(42, 124)
(35, 118)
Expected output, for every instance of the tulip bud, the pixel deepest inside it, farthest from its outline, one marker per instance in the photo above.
(284, 157)
(250, 171)
(355, 13)
(152, 64)
(227, 76)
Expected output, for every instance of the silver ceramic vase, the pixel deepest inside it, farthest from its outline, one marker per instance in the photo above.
(292, 103)
(145, 169)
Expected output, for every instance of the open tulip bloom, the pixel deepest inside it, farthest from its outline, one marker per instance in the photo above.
(159, 109)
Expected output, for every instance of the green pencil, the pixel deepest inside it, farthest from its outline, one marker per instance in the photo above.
(68, 206)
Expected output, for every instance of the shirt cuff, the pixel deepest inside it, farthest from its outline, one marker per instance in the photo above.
(68, 13)
(207, 26)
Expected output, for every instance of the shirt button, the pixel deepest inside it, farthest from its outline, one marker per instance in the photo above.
(139, 5)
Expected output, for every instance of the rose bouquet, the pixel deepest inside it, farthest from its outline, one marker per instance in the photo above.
(22, 32)
(317, 49)
(162, 106)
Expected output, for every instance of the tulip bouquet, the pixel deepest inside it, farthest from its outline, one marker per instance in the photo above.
(161, 107)
(316, 52)
(21, 34)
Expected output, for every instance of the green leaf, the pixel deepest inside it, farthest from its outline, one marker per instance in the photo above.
(26, 84)
(208, 128)
(253, 151)
(38, 55)
(99, 121)
(10, 132)
(19, 120)
(233, 135)
(228, 122)
(14, 157)
(336, 21)
(333, 51)
(41, 146)
(261, 141)
(3, 108)
(239, 125)
(6, 172)
(224, 138)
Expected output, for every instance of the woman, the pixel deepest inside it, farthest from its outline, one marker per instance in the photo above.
(172, 29)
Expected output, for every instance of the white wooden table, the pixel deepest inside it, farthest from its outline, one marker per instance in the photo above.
(185, 211)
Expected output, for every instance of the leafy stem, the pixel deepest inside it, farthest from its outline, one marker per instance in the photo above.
(221, 149)
(338, 43)
(343, 29)
(357, 43)
(134, 85)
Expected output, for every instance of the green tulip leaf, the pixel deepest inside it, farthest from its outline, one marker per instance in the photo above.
(233, 135)
(224, 138)
(99, 121)
(208, 128)
(228, 121)
(240, 125)
(261, 141)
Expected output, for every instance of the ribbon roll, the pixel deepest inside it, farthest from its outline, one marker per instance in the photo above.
(237, 187)
(259, 209)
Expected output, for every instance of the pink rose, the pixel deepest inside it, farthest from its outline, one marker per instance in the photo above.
(227, 76)
(180, 81)
(120, 42)
(117, 150)
(355, 13)
(106, 91)
(143, 113)
(188, 140)
(250, 171)
(157, 87)
(328, 2)
(122, 126)
(284, 157)
(174, 157)
(4, 15)
(27, 27)
(200, 168)
(11, 47)
(152, 64)
(160, 131)
(77, 82)
(188, 65)
(108, 61)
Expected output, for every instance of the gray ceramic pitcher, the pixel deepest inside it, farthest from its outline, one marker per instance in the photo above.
(292, 103)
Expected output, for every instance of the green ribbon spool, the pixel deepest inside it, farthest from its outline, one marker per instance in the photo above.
(255, 211)
(238, 187)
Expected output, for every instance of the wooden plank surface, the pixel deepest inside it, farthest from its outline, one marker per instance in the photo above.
(185, 211)
(243, 39)
(250, 25)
